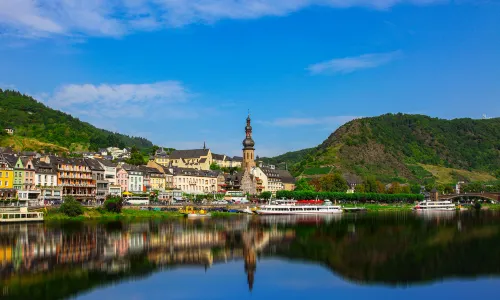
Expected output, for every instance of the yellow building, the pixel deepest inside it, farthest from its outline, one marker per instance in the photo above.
(6, 173)
(199, 159)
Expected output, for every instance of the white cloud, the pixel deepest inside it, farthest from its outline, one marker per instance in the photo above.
(115, 100)
(40, 18)
(293, 122)
(352, 64)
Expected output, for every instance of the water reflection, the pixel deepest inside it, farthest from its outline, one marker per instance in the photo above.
(389, 249)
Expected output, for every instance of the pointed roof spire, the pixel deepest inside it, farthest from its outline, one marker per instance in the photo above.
(204, 145)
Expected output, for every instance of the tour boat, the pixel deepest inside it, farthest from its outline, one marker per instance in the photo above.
(435, 206)
(294, 209)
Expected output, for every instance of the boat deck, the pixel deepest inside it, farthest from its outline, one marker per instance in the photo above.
(10, 217)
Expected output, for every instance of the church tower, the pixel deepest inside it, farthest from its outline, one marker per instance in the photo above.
(248, 148)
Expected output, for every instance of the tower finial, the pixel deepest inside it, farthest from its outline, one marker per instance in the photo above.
(204, 145)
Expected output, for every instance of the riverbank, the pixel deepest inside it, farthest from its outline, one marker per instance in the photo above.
(98, 213)
(131, 214)
(126, 214)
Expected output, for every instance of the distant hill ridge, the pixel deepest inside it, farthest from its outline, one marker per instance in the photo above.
(405, 147)
(32, 120)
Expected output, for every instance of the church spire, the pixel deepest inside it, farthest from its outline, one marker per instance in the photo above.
(204, 145)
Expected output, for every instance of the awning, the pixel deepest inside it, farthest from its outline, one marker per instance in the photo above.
(127, 193)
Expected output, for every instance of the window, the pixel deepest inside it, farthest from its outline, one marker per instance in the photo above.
(6, 183)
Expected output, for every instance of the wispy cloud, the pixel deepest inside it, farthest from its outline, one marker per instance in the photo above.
(116, 100)
(293, 122)
(43, 18)
(352, 64)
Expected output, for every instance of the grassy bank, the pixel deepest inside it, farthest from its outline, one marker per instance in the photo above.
(97, 213)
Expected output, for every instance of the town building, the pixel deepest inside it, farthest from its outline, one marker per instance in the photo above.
(122, 179)
(74, 176)
(9, 130)
(287, 180)
(46, 182)
(167, 172)
(156, 178)
(135, 179)
(269, 180)
(192, 181)
(102, 185)
(109, 170)
(115, 190)
(29, 173)
(6, 173)
(18, 174)
(236, 162)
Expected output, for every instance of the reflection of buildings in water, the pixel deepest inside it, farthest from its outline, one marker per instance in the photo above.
(34, 249)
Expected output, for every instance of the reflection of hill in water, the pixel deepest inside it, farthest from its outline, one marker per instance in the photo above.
(388, 249)
(402, 249)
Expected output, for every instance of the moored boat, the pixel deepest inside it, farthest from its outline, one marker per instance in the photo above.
(294, 209)
(434, 206)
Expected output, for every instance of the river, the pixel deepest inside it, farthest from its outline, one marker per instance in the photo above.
(350, 256)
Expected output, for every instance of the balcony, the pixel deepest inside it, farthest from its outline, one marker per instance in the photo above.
(77, 185)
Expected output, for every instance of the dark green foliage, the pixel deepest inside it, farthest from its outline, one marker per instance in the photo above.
(113, 205)
(136, 157)
(265, 195)
(214, 166)
(289, 158)
(71, 207)
(358, 197)
(303, 185)
(31, 118)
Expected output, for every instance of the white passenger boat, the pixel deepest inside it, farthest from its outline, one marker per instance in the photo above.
(293, 209)
(435, 206)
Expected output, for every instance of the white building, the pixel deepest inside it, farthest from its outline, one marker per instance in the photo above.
(135, 180)
(45, 174)
(109, 170)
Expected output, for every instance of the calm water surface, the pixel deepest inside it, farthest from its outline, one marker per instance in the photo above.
(390, 256)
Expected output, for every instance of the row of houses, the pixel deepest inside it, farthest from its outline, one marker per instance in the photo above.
(199, 159)
(38, 179)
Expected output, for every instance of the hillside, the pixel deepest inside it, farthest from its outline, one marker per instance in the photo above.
(289, 158)
(409, 148)
(52, 128)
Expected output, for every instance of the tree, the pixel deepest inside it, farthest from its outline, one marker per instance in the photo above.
(214, 166)
(395, 188)
(371, 185)
(265, 195)
(333, 183)
(71, 207)
(303, 185)
(360, 188)
(113, 204)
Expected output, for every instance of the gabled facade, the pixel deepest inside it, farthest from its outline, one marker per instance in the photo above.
(122, 179)
(102, 185)
(6, 173)
(19, 174)
(29, 174)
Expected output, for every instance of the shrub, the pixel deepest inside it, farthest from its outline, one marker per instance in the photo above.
(71, 207)
(113, 205)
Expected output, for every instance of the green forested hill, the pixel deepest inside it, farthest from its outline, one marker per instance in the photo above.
(289, 158)
(405, 147)
(32, 119)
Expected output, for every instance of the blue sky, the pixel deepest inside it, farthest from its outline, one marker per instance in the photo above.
(183, 72)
